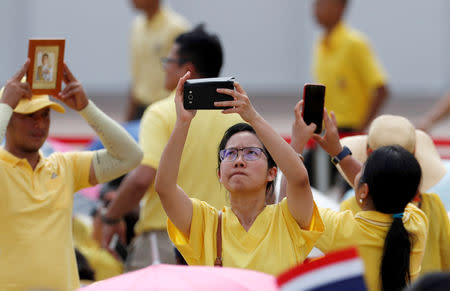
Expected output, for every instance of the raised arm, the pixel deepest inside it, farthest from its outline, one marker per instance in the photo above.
(121, 153)
(12, 93)
(439, 110)
(300, 134)
(300, 200)
(332, 145)
(176, 203)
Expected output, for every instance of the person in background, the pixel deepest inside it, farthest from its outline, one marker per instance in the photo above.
(85, 271)
(439, 111)
(87, 239)
(200, 53)
(356, 84)
(37, 192)
(152, 36)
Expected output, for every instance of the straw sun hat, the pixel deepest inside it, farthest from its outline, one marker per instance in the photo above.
(397, 130)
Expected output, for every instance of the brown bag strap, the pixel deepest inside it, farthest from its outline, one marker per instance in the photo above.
(218, 261)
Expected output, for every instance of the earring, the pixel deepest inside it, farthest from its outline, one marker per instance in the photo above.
(361, 200)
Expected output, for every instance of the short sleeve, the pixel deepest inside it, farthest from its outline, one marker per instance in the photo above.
(303, 238)
(334, 223)
(416, 222)
(368, 65)
(192, 247)
(80, 166)
(155, 131)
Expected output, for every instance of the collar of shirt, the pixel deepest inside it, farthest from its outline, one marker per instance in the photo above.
(158, 19)
(335, 37)
(378, 218)
(14, 161)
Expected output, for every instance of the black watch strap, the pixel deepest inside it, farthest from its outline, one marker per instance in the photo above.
(345, 152)
(107, 220)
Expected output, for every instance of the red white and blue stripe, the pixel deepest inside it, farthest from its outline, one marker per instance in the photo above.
(341, 270)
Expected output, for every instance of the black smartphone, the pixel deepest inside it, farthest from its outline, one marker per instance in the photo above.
(118, 247)
(313, 104)
(201, 93)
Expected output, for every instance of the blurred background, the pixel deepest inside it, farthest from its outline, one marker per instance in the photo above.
(268, 47)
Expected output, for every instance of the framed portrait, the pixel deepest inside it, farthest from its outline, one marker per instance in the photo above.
(46, 68)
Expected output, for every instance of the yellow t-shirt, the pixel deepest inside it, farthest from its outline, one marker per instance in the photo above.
(102, 262)
(274, 243)
(198, 167)
(36, 248)
(437, 252)
(367, 231)
(346, 65)
(150, 41)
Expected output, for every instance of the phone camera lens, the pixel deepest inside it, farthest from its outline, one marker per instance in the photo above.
(190, 97)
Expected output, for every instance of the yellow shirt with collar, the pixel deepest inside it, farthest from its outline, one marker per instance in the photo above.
(367, 231)
(198, 167)
(437, 252)
(150, 41)
(274, 243)
(36, 247)
(346, 65)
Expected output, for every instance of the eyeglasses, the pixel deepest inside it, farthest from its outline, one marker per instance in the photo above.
(166, 60)
(249, 154)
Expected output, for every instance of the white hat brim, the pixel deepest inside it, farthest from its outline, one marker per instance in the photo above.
(433, 169)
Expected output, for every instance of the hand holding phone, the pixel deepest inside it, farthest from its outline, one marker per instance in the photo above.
(118, 247)
(202, 93)
(313, 104)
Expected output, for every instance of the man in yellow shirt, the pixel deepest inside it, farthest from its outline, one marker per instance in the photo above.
(345, 64)
(36, 248)
(152, 36)
(355, 81)
(201, 54)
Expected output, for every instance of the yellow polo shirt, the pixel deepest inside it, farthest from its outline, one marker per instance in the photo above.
(346, 65)
(274, 243)
(198, 167)
(150, 41)
(36, 248)
(437, 252)
(367, 231)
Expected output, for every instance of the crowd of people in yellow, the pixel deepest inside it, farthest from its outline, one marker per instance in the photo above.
(203, 182)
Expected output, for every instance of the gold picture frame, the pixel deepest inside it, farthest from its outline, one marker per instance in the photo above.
(46, 67)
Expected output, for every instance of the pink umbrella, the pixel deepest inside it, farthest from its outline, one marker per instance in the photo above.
(174, 277)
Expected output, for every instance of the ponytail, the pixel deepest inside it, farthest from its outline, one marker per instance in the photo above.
(393, 177)
(394, 271)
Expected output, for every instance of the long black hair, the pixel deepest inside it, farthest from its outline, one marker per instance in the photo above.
(393, 177)
(240, 127)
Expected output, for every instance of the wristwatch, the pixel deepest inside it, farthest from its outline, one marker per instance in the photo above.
(345, 152)
(107, 220)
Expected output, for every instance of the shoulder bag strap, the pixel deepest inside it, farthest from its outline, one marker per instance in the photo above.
(218, 262)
